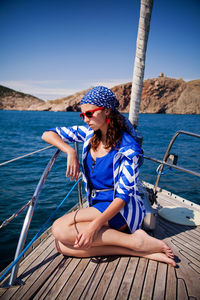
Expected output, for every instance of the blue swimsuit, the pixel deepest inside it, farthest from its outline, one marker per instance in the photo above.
(100, 178)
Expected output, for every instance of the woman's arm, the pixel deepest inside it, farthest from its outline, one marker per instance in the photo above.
(54, 139)
(72, 159)
(85, 239)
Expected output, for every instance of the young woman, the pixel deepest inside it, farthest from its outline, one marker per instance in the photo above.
(111, 224)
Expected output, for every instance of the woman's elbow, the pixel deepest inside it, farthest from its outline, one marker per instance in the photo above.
(46, 136)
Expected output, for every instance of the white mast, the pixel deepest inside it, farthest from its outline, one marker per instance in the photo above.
(139, 65)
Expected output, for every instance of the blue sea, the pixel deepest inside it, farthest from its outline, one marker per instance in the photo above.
(20, 133)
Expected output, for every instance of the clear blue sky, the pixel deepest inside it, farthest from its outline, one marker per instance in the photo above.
(53, 48)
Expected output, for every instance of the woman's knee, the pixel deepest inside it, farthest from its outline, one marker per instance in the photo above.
(59, 229)
(62, 230)
(56, 229)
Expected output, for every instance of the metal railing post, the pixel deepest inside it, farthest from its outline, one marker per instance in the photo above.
(21, 243)
(29, 214)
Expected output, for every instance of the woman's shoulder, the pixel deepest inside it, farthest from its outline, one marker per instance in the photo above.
(129, 140)
(129, 146)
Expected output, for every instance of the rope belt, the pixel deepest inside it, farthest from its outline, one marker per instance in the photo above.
(94, 191)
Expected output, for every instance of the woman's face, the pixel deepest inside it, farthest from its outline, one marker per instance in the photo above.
(98, 119)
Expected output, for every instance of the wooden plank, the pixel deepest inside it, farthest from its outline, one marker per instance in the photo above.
(191, 260)
(27, 262)
(186, 269)
(45, 247)
(182, 242)
(69, 270)
(84, 281)
(188, 252)
(195, 268)
(189, 232)
(190, 276)
(136, 289)
(160, 283)
(38, 274)
(106, 279)
(128, 279)
(194, 234)
(176, 229)
(198, 229)
(182, 290)
(115, 284)
(40, 241)
(187, 244)
(28, 267)
(149, 282)
(96, 278)
(179, 243)
(73, 280)
(53, 277)
(40, 285)
(171, 284)
(181, 236)
(40, 280)
(160, 231)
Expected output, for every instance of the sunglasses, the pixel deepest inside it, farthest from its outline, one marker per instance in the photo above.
(89, 113)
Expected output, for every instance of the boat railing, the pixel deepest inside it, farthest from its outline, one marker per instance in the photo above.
(27, 220)
(166, 157)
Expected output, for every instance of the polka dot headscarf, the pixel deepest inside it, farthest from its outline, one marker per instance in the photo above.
(101, 96)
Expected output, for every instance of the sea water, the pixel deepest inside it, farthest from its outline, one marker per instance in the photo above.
(20, 133)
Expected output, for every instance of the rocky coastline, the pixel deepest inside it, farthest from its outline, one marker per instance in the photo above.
(159, 95)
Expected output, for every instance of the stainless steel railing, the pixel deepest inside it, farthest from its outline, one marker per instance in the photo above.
(166, 155)
(31, 207)
(29, 216)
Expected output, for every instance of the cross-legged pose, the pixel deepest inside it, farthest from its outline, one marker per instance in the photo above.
(111, 224)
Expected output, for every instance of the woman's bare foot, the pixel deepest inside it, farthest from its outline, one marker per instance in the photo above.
(146, 243)
(167, 250)
(160, 257)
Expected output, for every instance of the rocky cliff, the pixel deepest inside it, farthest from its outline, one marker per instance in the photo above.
(13, 100)
(159, 95)
(163, 95)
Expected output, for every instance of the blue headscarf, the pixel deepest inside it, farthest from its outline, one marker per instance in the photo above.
(101, 96)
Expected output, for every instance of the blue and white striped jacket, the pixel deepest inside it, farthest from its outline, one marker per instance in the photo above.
(125, 169)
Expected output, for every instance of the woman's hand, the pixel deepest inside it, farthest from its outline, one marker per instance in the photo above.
(72, 159)
(85, 238)
(73, 168)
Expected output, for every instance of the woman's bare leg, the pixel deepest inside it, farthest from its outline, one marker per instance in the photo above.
(110, 250)
(66, 228)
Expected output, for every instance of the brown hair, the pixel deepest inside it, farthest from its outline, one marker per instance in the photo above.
(114, 131)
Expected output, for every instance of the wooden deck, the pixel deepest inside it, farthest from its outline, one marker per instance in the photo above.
(49, 275)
